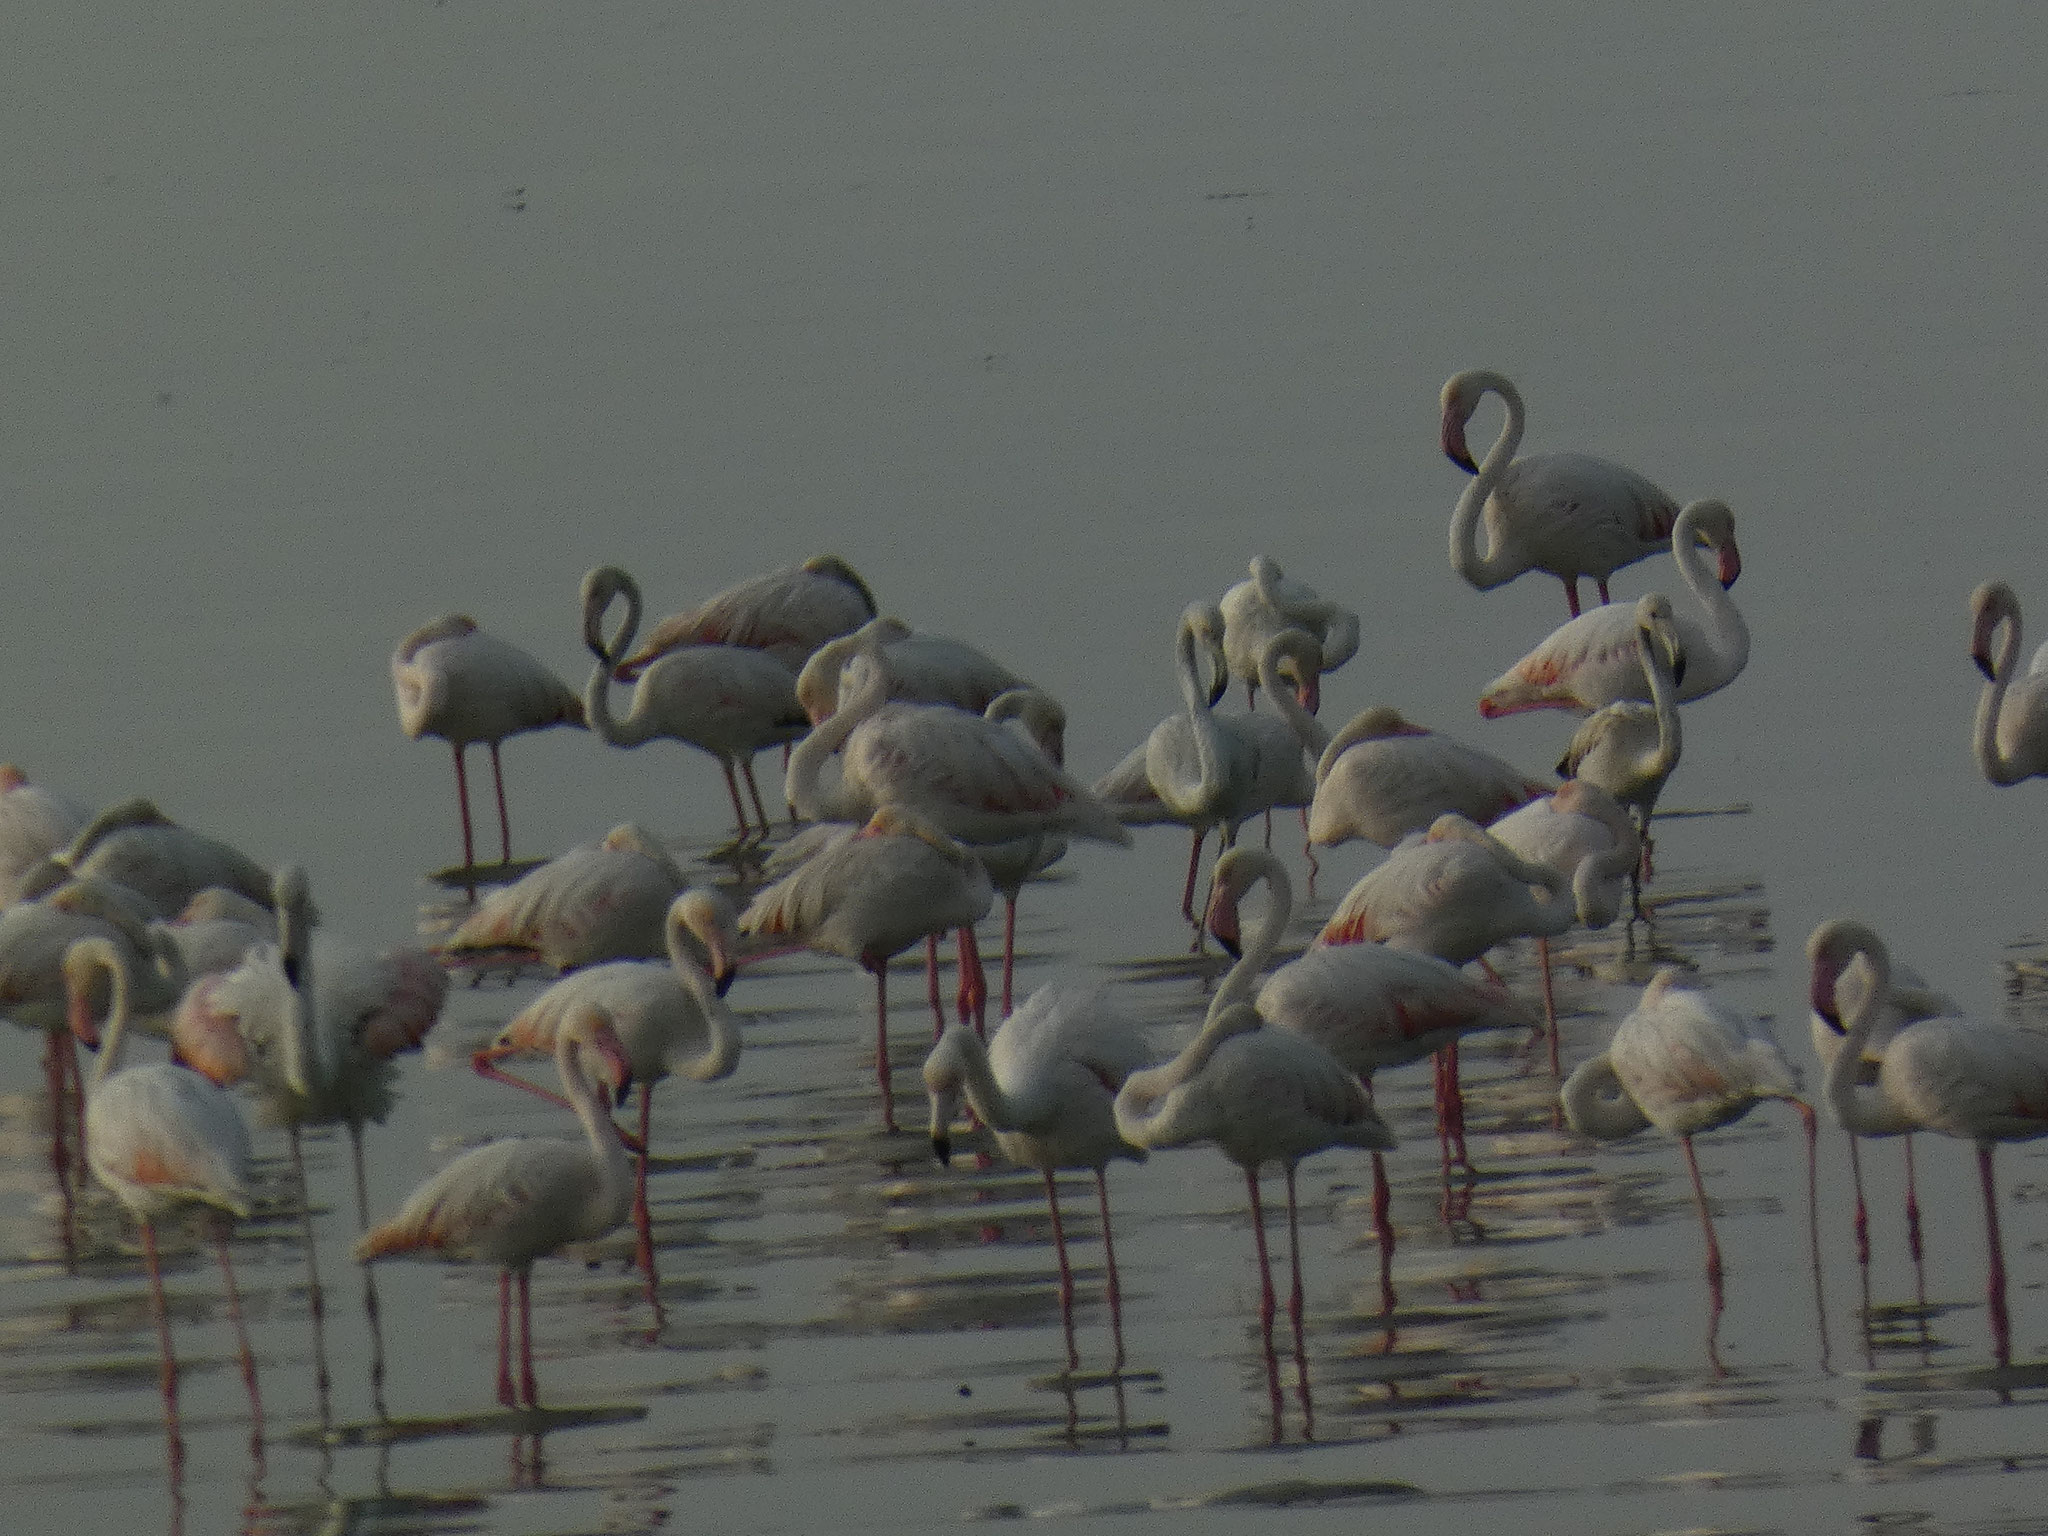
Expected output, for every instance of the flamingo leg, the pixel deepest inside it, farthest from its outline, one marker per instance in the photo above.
(973, 982)
(881, 970)
(1862, 1210)
(1116, 1296)
(527, 1386)
(1294, 1294)
(754, 793)
(931, 985)
(505, 1393)
(316, 1299)
(1454, 1105)
(60, 1165)
(1549, 1004)
(1267, 1305)
(732, 788)
(462, 802)
(643, 1218)
(1308, 855)
(373, 1307)
(1994, 1290)
(1269, 831)
(1059, 1244)
(76, 1068)
(1187, 894)
(484, 1064)
(504, 820)
(227, 1270)
(161, 1313)
(1811, 1126)
(1912, 1205)
(1571, 593)
(1699, 1194)
(1009, 946)
(1601, 583)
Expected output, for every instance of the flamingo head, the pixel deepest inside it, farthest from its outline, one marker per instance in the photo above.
(1458, 406)
(707, 918)
(1990, 605)
(1658, 627)
(1222, 921)
(210, 1045)
(1728, 563)
(600, 1045)
(78, 1016)
(1831, 948)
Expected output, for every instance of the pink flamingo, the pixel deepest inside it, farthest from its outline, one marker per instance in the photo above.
(1381, 778)
(34, 824)
(1593, 660)
(601, 901)
(135, 846)
(1568, 514)
(513, 1201)
(730, 701)
(1046, 1084)
(923, 669)
(1984, 1083)
(1269, 604)
(162, 1139)
(670, 1017)
(462, 685)
(2011, 736)
(872, 894)
(788, 613)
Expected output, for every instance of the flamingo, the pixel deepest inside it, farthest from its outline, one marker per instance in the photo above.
(462, 685)
(1381, 778)
(1684, 1063)
(600, 901)
(1630, 748)
(670, 1017)
(1592, 660)
(728, 700)
(1046, 1084)
(34, 823)
(870, 895)
(510, 1202)
(1269, 604)
(216, 928)
(1977, 1082)
(1569, 514)
(1262, 1095)
(134, 845)
(161, 1138)
(2011, 736)
(788, 613)
(923, 669)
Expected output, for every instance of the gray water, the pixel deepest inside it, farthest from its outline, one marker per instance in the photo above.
(1047, 317)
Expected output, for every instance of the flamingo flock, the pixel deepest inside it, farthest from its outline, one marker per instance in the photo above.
(934, 778)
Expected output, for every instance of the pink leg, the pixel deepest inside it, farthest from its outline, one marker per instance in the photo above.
(1571, 592)
(316, 1298)
(1601, 583)
(1862, 1211)
(1308, 854)
(373, 1308)
(1383, 1231)
(881, 970)
(1912, 1204)
(1454, 1105)
(227, 1270)
(754, 793)
(643, 1219)
(60, 1163)
(2001, 1320)
(1294, 1295)
(1059, 1244)
(1699, 1194)
(1811, 1126)
(504, 821)
(462, 801)
(931, 985)
(1009, 948)
(163, 1337)
(1116, 1295)
(1549, 1004)
(1269, 831)
(1187, 894)
(973, 983)
(1267, 1305)
(732, 788)
(527, 1386)
(505, 1393)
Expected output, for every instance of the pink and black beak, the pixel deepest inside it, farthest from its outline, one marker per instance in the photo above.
(1309, 694)
(1821, 998)
(1222, 922)
(1454, 444)
(1729, 564)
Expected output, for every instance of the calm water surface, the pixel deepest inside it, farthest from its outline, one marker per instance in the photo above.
(1047, 317)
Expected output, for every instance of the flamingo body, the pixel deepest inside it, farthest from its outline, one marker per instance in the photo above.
(1453, 892)
(1382, 778)
(2011, 734)
(35, 823)
(923, 669)
(602, 901)
(787, 613)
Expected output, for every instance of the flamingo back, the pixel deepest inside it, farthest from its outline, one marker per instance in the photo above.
(160, 1136)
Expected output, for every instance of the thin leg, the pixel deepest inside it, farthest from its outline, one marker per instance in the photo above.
(973, 983)
(1601, 582)
(1187, 893)
(71, 1064)
(227, 1270)
(1820, 1304)
(1009, 947)
(462, 801)
(1059, 1244)
(316, 1299)
(1454, 1106)
(643, 1218)
(931, 985)
(1862, 1210)
(1116, 1295)
(1994, 1291)
(505, 1393)
(881, 970)
(163, 1335)
(373, 1311)
(1549, 1003)
(732, 788)
(1699, 1194)
(1571, 592)
(504, 821)
(60, 1163)
(1912, 1204)
(1308, 854)
(1267, 1305)
(754, 793)
(527, 1385)
(1269, 831)
(1294, 1309)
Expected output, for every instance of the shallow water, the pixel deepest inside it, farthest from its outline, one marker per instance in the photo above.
(1047, 318)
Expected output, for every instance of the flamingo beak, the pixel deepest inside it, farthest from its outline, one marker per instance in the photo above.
(79, 1017)
(942, 1148)
(1223, 925)
(1310, 694)
(1729, 564)
(1984, 665)
(1564, 766)
(1822, 994)
(1454, 444)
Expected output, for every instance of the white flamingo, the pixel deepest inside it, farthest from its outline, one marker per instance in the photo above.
(727, 700)
(135, 846)
(462, 685)
(1381, 778)
(34, 823)
(510, 1202)
(1569, 514)
(1046, 1085)
(2011, 735)
(788, 613)
(1630, 748)
(1592, 660)
(1268, 604)
(923, 669)
(601, 901)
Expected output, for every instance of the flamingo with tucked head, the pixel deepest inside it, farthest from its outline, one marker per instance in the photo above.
(2011, 735)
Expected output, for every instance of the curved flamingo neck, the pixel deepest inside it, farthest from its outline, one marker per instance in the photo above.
(1300, 647)
(1725, 627)
(963, 1064)
(1502, 561)
(1992, 762)
(1254, 865)
(585, 1099)
(724, 1052)
(105, 956)
(1195, 797)
(1864, 1112)
(807, 759)
(1142, 1112)
(1597, 1104)
(598, 594)
(1663, 700)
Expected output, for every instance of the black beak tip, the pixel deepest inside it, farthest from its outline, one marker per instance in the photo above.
(1564, 767)
(1678, 672)
(624, 1090)
(1984, 666)
(942, 1148)
(1230, 946)
(722, 982)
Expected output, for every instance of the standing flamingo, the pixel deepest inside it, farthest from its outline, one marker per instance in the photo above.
(134, 845)
(1592, 660)
(510, 1202)
(1381, 778)
(34, 823)
(1630, 748)
(787, 613)
(1046, 1084)
(2011, 737)
(1685, 1064)
(1263, 1096)
(162, 1139)
(728, 700)
(600, 901)
(1269, 604)
(1568, 514)
(871, 895)
(1977, 1082)
(462, 685)
(923, 669)
(670, 1016)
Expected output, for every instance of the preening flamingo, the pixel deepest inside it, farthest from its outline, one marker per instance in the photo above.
(788, 613)
(1592, 660)
(1381, 778)
(1046, 1085)
(1268, 604)
(923, 669)
(35, 823)
(1984, 1083)
(600, 901)
(162, 1139)
(216, 928)
(462, 685)
(513, 1201)
(872, 894)
(2011, 736)
(1630, 748)
(1569, 514)
(135, 846)
(670, 1016)
(728, 700)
